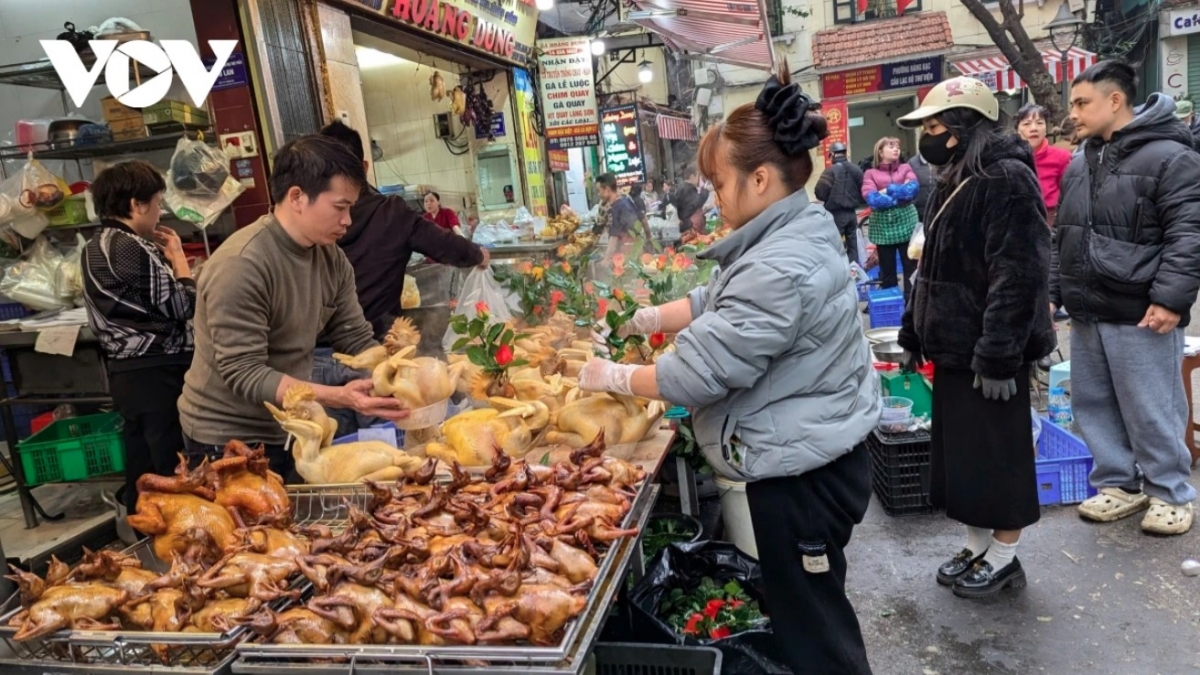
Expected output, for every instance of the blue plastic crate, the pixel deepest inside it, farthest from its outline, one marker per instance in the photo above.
(1063, 465)
(886, 307)
(12, 310)
(379, 432)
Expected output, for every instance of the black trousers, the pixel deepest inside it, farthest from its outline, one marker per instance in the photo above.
(887, 267)
(812, 514)
(147, 399)
(847, 224)
(280, 459)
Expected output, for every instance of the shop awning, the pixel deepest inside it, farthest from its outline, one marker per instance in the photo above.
(710, 30)
(675, 128)
(999, 76)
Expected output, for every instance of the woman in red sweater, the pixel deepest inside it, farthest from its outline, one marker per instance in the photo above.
(1051, 161)
(445, 218)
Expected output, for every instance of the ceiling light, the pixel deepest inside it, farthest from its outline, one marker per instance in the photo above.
(373, 58)
(645, 75)
(598, 47)
(545, 5)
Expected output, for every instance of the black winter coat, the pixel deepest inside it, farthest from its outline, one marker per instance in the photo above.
(927, 179)
(840, 186)
(1129, 222)
(981, 301)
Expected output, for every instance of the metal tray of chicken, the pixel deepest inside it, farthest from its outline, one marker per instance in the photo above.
(123, 651)
(259, 658)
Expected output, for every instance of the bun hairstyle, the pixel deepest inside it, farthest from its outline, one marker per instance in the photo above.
(780, 129)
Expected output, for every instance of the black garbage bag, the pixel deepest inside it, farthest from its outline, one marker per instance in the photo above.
(685, 565)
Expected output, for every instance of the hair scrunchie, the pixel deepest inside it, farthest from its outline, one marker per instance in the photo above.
(793, 116)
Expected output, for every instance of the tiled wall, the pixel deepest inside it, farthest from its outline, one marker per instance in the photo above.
(345, 88)
(400, 116)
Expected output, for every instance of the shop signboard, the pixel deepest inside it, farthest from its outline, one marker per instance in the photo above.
(481, 131)
(501, 29)
(234, 73)
(568, 93)
(895, 75)
(622, 138)
(837, 119)
(531, 143)
(1179, 22)
(560, 160)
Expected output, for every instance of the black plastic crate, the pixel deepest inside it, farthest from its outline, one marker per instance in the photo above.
(628, 658)
(900, 471)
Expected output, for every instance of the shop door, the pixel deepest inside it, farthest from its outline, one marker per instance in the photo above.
(872, 121)
(1193, 64)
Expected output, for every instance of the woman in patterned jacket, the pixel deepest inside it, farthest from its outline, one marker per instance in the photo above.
(140, 298)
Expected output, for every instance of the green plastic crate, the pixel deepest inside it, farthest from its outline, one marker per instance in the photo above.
(74, 449)
(912, 386)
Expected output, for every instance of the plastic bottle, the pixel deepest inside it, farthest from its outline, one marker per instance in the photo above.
(1059, 408)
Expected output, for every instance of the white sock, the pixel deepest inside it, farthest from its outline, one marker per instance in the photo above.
(999, 555)
(978, 540)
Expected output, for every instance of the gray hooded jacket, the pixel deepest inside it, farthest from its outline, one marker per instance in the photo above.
(774, 363)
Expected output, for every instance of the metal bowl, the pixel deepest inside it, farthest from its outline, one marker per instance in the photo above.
(881, 335)
(888, 352)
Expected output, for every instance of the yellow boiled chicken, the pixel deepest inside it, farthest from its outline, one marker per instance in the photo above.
(472, 438)
(437, 86)
(401, 335)
(410, 296)
(320, 462)
(622, 419)
(416, 382)
(529, 385)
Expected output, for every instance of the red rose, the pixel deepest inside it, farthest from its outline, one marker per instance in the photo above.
(557, 296)
(713, 608)
(537, 310)
(602, 307)
(734, 604)
(691, 628)
(481, 308)
(504, 355)
(657, 340)
(720, 632)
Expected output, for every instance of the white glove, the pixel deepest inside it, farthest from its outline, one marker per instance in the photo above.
(604, 375)
(645, 321)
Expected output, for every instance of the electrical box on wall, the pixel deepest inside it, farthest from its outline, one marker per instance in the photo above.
(441, 125)
(239, 145)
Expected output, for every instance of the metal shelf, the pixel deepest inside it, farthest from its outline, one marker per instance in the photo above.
(41, 74)
(148, 144)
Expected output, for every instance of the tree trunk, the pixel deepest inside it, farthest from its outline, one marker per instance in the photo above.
(1023, 56)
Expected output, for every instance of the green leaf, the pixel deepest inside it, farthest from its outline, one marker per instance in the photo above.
(476, 329)
(460, 343)
(494, 333)
(613, 319)
(478, 355)
(507, 337)
(733, 588)
(545, 460)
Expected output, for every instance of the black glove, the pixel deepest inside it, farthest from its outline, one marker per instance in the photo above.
(996, 390)
(911, 361)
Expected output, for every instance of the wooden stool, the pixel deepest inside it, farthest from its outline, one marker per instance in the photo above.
(1190, 365)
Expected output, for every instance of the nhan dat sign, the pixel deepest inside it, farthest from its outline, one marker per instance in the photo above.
(568, 93)
(114, 58)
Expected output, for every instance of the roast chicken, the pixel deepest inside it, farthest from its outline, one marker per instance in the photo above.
(179, 512)
(319, 461)
(473, 437)
(244, 484)
(620, 418)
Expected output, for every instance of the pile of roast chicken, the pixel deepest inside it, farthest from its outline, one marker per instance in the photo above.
(431, 557)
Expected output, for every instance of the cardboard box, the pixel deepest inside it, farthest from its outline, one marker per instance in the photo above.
(128, 129)
(174, 111)
(114, 110)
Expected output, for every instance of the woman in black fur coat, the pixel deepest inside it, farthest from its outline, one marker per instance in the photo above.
(980, 313)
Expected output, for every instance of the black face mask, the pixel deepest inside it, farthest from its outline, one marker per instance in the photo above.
(933, 148)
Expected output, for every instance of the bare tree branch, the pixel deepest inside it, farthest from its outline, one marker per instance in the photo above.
(1013, 41)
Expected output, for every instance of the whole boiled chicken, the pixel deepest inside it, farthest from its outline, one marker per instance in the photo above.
(472, 438)
(402, 334)
(416, 382)
(622, 419)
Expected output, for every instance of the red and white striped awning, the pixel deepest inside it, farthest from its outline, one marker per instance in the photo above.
(999, 76)
(724, 31)
(675, 128)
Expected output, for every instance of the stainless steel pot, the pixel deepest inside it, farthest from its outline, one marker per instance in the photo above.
(888, 352)
(65, 132)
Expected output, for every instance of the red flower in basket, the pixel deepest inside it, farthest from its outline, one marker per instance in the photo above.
(504, 355)
(720, 632)
(481, 307)
(713, 608)
(691, 627)
(557, 296)
(657, 340)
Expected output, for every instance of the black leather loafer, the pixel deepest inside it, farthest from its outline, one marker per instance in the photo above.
(983, 582)
(957, 566)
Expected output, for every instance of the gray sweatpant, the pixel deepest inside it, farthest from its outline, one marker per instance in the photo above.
(1127, 396)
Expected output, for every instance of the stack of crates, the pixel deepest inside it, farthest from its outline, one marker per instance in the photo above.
(885, 307)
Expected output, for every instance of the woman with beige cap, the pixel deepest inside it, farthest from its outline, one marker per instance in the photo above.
(979, 313)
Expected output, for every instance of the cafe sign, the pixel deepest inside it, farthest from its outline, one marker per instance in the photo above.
(503, 29)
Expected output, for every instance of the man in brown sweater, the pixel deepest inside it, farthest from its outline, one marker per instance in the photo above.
(264, 298)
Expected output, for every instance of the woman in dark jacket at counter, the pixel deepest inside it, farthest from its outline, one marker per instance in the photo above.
(980, 314)
(140, 298)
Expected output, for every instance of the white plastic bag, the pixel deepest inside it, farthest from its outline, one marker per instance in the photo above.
(34, 281)
(916, 243)
(1037, 429)
(479, 286)
(199, 185)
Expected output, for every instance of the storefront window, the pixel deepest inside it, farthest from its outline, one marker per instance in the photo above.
(498, 177)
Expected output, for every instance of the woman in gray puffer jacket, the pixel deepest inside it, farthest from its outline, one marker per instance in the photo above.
(771, 358)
